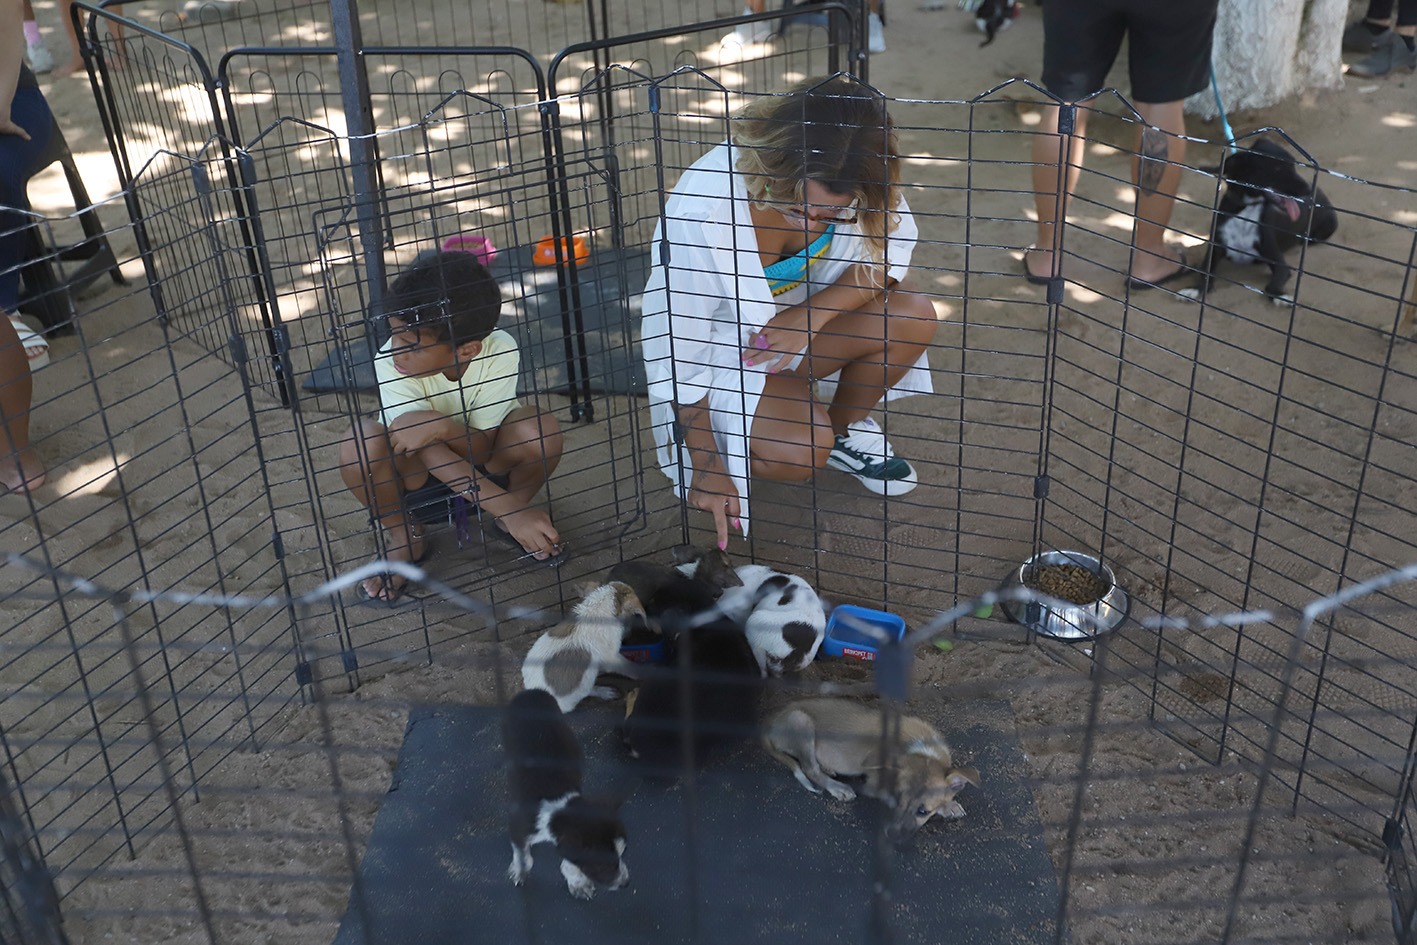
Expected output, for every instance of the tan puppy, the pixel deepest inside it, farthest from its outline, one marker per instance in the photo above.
(822, 739)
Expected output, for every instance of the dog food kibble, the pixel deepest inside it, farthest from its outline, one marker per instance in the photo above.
(1070, 582)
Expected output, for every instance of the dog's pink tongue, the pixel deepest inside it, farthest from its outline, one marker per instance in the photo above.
(1291, 207)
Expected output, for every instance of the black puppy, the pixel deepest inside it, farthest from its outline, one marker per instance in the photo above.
(691, 586)
(1268, 208)
(547, 806)
(708, 700)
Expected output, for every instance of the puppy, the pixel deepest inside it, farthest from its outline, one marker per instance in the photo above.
(820, 740)
(782, 616)
(566, 659)
(547, 807)
(722, 697)
(990, 16)
(693, 585)
(994, 16)
(1268, 208)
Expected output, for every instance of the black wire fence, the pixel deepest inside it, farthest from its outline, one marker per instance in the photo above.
(200, 718)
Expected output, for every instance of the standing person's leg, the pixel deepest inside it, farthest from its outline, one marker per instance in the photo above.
(1156, 169)
(35, 50)
(1393, 49)
(76, 56)
(1052, 166)
(1080, 42)
(1362, 35)
(1169, 55)
(20, 468)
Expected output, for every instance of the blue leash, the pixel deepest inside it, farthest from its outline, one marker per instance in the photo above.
(1220, 107)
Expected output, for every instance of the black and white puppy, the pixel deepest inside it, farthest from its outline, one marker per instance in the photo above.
(544, 761)
(781, 615)
(1269, 206)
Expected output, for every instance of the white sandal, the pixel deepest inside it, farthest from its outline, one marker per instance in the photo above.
(29, 338)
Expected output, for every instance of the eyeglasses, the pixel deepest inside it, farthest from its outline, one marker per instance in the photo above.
(800, 214)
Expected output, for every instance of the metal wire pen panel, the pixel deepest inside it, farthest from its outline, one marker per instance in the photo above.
(218, 727)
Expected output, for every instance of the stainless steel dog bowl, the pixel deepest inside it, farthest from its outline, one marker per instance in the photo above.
(1068, 621)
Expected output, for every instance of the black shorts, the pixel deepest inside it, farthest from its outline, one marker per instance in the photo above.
(1169, 49)
(434, 502)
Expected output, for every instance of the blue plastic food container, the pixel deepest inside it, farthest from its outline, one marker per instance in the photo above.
(858, 632)
(644, 653)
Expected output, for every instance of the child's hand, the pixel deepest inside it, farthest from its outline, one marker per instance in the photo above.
(533, 530)
(414, 432)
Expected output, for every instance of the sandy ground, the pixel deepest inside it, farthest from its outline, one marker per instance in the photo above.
(1157, 845)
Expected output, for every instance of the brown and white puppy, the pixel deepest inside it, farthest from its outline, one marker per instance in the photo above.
(820, 740)
(566, 659)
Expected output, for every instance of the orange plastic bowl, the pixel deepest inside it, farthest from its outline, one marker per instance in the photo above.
(545, 253)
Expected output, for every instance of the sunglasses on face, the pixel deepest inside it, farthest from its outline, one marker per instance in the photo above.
(844, 215)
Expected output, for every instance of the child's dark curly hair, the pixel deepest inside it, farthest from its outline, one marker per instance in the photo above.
(449, 294)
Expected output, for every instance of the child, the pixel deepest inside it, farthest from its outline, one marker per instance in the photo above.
(451, 421)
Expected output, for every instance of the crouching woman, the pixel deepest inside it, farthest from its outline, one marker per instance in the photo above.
(778, 268)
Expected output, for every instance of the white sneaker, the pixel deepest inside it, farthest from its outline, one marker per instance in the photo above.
(865, 454)
(40, 59)
(750, 33)
(875, 33)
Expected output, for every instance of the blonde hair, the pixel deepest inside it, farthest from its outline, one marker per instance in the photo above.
(834, 131)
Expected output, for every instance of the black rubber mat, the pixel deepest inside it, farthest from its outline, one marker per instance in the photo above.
(747, 856)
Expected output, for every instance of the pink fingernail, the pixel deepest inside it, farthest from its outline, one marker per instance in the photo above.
(723, 545)
(737, 524)
(760, 341)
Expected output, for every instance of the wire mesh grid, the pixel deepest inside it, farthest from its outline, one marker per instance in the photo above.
(1224, 455)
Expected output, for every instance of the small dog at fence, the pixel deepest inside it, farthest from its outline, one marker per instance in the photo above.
(782, 616)
(566, 660)
(1268, 208)
(820, 740)
(544, 761)
(990, 16)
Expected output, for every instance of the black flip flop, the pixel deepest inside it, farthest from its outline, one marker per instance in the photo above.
(1183, 271)
(403, 598)
(1030, 277)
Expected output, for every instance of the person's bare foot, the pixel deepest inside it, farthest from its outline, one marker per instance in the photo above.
(404, 545)
(1038, 264)
(72, 67)
(26, 475)
(1156, 268)
(533, 531)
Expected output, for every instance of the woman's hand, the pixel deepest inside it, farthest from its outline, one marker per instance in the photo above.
(785, 336)
(714, 492)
